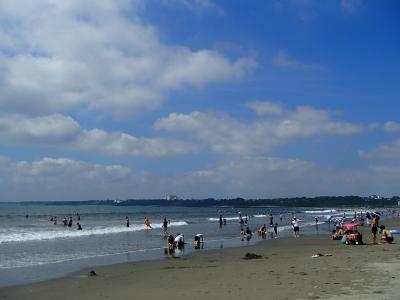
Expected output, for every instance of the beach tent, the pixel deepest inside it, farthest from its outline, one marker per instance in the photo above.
(350, 226)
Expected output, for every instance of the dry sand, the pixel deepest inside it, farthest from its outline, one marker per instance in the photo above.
(285, 271)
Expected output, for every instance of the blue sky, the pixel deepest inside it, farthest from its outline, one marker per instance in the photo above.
(198, 98)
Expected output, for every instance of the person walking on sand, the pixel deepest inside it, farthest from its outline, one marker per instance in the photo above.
(220, 221)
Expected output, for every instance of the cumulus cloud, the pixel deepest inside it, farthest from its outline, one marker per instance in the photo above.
(98, 56)
(227, 135)
(281, 59)
(65, 133)
(61, 179)
(251, 177)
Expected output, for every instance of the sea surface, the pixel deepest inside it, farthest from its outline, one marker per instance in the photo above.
(33, 248)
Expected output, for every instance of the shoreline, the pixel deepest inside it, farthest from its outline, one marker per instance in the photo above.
(285, 271)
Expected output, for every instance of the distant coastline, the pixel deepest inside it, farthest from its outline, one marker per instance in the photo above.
(321, 201)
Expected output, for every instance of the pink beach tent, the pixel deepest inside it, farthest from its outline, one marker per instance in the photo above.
(351, 226)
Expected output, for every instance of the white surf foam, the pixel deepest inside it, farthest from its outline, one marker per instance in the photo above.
(325, 211)
(23, 236)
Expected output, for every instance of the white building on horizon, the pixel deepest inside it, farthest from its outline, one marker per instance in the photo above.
(171, 197)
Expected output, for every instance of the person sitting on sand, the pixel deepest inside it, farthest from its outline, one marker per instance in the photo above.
(198, 239)
(262, 230)
(386, 235)
(337, 234)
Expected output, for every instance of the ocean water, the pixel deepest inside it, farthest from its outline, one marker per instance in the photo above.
(33, 249)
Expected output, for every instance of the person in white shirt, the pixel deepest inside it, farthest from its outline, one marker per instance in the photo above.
(179, 241)
(296, 228)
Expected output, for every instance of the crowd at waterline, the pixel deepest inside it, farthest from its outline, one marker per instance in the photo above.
(345, 228)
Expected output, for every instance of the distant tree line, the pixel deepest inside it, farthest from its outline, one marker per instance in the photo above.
(322, 201)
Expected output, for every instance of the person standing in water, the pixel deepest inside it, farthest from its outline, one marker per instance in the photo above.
(165, 226)
(147, 222)
(127, 221)
(276, 230)
(220, 221)
(296, 228)
(79, 226)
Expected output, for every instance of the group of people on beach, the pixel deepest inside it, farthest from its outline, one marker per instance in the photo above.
(348, 233)
(66, 222)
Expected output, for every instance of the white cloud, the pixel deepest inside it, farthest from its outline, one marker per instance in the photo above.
(63, 132)
(266, 108)
(386, 151)
(99, 56)
(227, 135)
(281, 59)
(61, 179)
(391, 126)
(251, 177)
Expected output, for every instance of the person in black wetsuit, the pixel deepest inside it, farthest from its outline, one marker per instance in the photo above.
(165, 225)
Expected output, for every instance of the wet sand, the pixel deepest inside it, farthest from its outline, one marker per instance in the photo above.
(284, 271)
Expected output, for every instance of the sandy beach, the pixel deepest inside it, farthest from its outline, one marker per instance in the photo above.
(285, 270)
